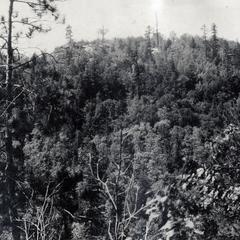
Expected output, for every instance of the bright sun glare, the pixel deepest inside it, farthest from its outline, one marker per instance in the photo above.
(156, 5)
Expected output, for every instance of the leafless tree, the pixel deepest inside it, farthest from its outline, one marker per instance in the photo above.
(102, 32)
(123, 185)
(38, 221)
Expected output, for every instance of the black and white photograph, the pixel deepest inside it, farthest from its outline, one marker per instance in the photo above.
(119, 120)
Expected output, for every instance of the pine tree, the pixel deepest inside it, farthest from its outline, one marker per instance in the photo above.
(205, 41)
(40, 7)
(69, 34)
(148, 47)
(214, 43)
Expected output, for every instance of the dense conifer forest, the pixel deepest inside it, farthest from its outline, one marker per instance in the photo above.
(123, 139)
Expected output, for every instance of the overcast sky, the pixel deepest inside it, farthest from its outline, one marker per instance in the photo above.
(130, 17)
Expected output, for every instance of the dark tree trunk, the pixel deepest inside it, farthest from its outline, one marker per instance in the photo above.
(10, 171)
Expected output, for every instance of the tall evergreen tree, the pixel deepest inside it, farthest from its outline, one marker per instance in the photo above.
(148, 46)
(204, 37)
(40, 7)
(214, 43)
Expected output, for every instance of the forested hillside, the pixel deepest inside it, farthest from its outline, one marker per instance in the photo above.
(125, 139)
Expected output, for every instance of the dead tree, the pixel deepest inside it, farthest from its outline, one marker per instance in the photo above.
(121, 191)
(102, 32)
(38, 222)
